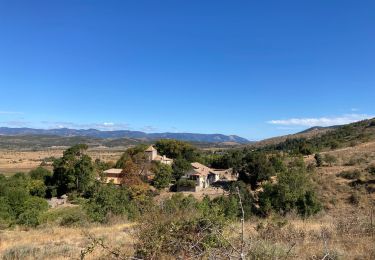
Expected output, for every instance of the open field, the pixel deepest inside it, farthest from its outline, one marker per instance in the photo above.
(54, 242)
(12, 161)
(344, 229)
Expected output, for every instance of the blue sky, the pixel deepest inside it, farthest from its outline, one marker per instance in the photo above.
(252, 68)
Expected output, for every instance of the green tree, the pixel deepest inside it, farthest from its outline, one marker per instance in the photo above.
(163, 176)
(107, 200)
(177, 149)
(293, 191)
(255, 168)
(40, 173)
(37, 188)
(318, 159)
(74, 171)
(180, 167)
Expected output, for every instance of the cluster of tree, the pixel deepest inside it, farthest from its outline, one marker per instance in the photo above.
(21, 199)
(75, 174)
(293, 191)
(341, 136)
(327, 158)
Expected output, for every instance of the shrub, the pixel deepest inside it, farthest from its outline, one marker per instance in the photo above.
(29, 218)
(184, 183)
(293, 191)
(256, 167)
(74, 218)
(371, 168)
(37, 188)
(108, 199)
(354, 198)
(318, 159)
(330, 159)
(350, 175)
(32, 209)
(163, 176)
(179, 229)
(40, 173)
(65, 216)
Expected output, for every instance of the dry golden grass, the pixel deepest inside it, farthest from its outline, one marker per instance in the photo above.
(62, 242)
(12, 161)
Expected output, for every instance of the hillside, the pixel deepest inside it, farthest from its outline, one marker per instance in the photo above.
(320, 138)
(93, 133)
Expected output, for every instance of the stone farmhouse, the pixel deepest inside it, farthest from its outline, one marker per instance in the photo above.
(115, 175)
(205, 176)
(152, 155)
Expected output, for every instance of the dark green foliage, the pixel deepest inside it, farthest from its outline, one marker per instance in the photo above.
(230, 159)
(354, 198)
(31, 211)
(40, 173)
(37, 188)
(340, 136)
(293, 191)
(180, 167)
(318, 159)
(107, 200)
(163, 175)
(177, 149)
(131, 154)
(255, 167)
(184, 183)
(6, 216)
(74, 171)
(17, 203)
(371, 169)
(350, 175)
(277, 163)
(246, 197)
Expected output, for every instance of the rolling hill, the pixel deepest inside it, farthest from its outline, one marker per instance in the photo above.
(94, 133)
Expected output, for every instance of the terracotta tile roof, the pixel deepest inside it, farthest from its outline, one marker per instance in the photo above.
(201, 169)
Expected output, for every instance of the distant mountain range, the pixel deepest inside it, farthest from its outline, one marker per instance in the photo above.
(94, 133)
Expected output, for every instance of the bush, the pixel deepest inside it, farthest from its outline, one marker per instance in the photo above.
(108, 199)
(32, 209)
(371, 168)
(40, 173)
(354, 198)
(319, 160)
(65, 216)
(293, 191)
(185, 183)
(74, 218)
(37, 188)
(350, 175)
(255, 168)
(330, 159)
(29, 218)
(163, 176)
(182, 228)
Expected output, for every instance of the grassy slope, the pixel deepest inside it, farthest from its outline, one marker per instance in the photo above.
(320, 139)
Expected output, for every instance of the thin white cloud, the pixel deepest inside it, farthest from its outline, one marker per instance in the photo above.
(15, 123)
(321, 121)
(99, 126)
(10, 113)
(149, 128)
